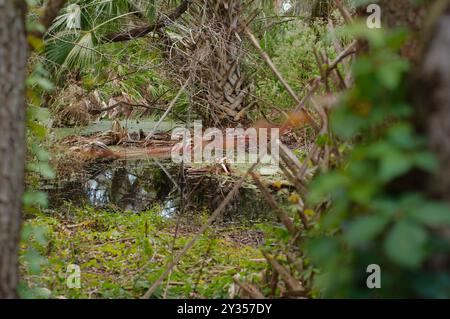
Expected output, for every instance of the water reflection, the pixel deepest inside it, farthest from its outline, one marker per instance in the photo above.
(139, 185)
(97, 196)
(128, 186)
(169, 209)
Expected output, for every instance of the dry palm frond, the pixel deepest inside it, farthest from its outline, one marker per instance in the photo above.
(76, 113)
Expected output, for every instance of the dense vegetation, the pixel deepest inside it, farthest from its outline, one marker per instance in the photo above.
(362, 176)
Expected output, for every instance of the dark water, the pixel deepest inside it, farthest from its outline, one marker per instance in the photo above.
(139, 185)
(133, 186)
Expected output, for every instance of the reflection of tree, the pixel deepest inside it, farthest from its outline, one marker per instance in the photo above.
(134, 187)
(119, 185)
(129, 187)
(71, 191)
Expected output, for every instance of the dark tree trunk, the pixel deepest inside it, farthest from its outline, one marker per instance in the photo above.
(432, 97)
(13, 58)
(403, 13)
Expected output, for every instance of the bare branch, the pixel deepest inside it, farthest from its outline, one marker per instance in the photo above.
(249, 289)
(344, 12)
(292, 283)
(277, 73)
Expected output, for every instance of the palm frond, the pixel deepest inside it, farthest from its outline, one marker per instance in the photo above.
(76, 54)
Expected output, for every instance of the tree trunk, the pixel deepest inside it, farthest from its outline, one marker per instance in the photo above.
(215, 61)
(403, 13)
(432, 96)
(13, 59)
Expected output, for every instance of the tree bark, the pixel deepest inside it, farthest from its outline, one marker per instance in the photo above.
(430, 94)
(13, 59)
(403, 13)
(432, 97)
(214, 59)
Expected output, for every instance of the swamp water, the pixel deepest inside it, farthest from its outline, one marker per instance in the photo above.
(139, 185)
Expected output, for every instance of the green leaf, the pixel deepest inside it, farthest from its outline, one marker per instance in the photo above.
(34, 261)
(325, 185)
(390, 78)
(35, 197)
(365, 229)
(402, 135)
(394, 164)
(405, 243)
(345, 124)
(45, 84)
(426, 161)
(42, 168)
(390, 74)
(41, 293)
(321, 250)
(39, 130)
(362, 192)
(431, 214)
(40, 153)
(39, 113)
(31, 232)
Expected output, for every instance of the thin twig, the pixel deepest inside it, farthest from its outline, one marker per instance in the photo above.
(291, 282)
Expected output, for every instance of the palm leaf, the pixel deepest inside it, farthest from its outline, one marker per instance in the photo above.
(73, 53)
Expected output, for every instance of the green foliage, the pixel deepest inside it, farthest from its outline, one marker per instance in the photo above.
(371, 222)
(290, 45)
(76, 58)
(37, 117)
(75, 34)
(121, 254)
(38, 83)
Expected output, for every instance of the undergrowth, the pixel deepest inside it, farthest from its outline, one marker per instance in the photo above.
(121, 254)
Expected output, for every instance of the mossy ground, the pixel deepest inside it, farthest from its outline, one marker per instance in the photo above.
(120, 254)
